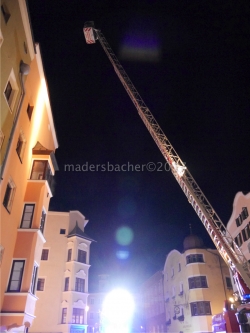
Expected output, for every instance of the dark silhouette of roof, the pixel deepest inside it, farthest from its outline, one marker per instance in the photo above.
(76, 231)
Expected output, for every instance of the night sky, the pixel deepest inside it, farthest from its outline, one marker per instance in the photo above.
(195, 78)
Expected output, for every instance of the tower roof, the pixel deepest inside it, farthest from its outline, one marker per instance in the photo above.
(192, 242)
(76, 231)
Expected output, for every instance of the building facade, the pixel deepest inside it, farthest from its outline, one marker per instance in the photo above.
(27, 145)
(62, 283)
(153, 317)
(196, 284)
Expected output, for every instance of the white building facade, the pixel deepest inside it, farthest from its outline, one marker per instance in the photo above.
(62, 284)
(196, 284)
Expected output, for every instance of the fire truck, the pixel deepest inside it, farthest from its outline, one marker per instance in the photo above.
(231, 320)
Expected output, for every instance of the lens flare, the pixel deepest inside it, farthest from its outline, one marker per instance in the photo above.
(124, 235)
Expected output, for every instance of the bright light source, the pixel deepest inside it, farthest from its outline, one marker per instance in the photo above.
(231, 299)
(117, 311)
(179, 169)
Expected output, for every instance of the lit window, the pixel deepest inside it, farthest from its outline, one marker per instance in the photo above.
(27, 217)
(45, 254)
(5, 12)
(1, 138)
(16, 276)
(11, 90)
(40, 284)
(69, 255)
(200, 308)
(66, 284)
(9, 195)
(20, 147)
(64, 315)
(229, 283)
(80, 285)
(33, 280)
(30, 111)
(192, 258)
(197, 282)
(82, 256)
(77, 316)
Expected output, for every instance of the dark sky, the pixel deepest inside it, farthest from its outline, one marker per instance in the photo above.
(198, 90)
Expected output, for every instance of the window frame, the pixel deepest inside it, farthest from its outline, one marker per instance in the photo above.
(194, 258)
(31, 218)
(5, 12)
(46, 256)
(77, 314)
(9, 195)
(197, 282)
(64, 316)
(69, 255)
(30, 111)
(80, 285)
(80, 254)
(228, 285)
(20, 147)
(195, 308)
(9, 290)
(66, 284)
(34, 279)
(12, 96)
(40, 282)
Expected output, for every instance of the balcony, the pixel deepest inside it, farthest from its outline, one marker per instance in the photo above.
(41, 171)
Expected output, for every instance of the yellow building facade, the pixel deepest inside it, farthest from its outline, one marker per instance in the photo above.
(196, 284)
(27, 145)
(62, 284)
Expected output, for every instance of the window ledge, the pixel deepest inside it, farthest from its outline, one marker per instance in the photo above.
(33, 230)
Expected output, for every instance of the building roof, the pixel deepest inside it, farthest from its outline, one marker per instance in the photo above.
(76, 231)
(193, 242)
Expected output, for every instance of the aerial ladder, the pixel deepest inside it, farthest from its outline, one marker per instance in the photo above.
(221, 238)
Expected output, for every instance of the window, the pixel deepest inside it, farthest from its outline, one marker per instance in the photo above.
(244, 213)
(5, 13)
(20, 146)
(66, 284)
(229, 283)
(172, 272)
(41, 171)
(27, 217)
(1, 138)
(33, 280)
(45, 254)
(16, 276)
(197, 282)
(238, 240)
(179, 267)
(30, 111)
(42, 222)
(9, 195)
(80, 285)
(62, 231)
(40, 284)
(194, 258)
(77, 316)
(69, 255)
(82, 256)
(200, 308)
(11, 90)
(64, 315)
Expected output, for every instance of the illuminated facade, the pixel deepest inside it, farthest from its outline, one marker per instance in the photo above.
(196, 284)
(239, 224)
(62, 283)
(27, 145)
(153, 304)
